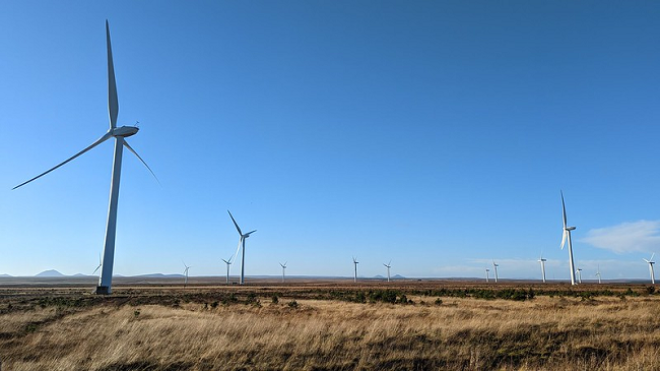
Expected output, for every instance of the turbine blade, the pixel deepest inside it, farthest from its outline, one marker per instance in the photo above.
(240, 242)
(236, 224)
(97, 268)
(563, 208)
(563, 239)
(141, 160)
(652, 256)
(98, 141)
(249, 233)
(113, 101)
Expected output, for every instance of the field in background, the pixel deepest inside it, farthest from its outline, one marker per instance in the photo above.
(328, 325)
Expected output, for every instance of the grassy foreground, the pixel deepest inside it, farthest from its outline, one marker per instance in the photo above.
(324, 329)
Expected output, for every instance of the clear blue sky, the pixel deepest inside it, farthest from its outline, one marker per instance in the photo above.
(436, 134)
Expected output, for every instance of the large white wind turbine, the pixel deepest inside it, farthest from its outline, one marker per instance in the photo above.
(228, 262)
(598, 274)
(119, 134)
(487, 278)
(495, 269)
(241, 245)
(542, 261)
(567, 237)
(185, 272)
(283, 269)
(355, 263)
(651, 262)
(388, 265)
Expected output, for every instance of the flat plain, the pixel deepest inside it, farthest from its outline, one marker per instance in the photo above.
(327, 325)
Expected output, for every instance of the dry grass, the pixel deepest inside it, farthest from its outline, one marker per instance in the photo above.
(166, 330)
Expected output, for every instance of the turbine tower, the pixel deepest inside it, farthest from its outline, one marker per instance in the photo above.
(241, 245)
(579, 271)
(651, 262)
(283, 269)
(598, 274)
(355, 263)
(542, 261)
(185, 272)
(567, 237)
(119, 134)
(388, 265)
(495, 269)
(228, 262)
(487, 278)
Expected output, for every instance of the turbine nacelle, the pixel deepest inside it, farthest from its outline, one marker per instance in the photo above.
(124, 131)
(569, 228)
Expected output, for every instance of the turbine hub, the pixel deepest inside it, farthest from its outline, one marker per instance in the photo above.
(124, 131)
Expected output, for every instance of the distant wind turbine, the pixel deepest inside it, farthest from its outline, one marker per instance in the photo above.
(241, 245)
(355, 264)
(228, 262)
(542, 261)
(119, 134)
(388, 265)
(283, 269)
(651, 262)
(495, 269)
(579, 271)
(567, 237)
(185, 272)
(99, 266)
(487, 278)
(598, 274)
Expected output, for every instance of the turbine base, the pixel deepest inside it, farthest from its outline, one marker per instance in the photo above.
(102, 290)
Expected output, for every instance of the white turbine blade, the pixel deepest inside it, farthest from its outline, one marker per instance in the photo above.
(224, 261)
(240, 242)
(113, 101)
(236, 224)
(563, 239)
(652, 256)
(98, 141)
(563, 208)
(141, 160)
(249, 233)
(648, 261)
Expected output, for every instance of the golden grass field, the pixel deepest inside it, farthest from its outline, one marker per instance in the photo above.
(329, 326)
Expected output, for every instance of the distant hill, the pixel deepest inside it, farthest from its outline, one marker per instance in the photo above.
(50, 273)
(159, 275)
(399, 277)
(5, 275)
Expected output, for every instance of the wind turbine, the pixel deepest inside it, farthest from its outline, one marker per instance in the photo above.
(388, 265)
(567, 236)
(651, 262)
(119, 134)
(542, 261)
(579, 271)
(283, 269)
(228, 262)
(495, 269)
(598, 274)
(241, 244)
(185, 272)
(98, 266)
(487, 278)
(355, 263)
